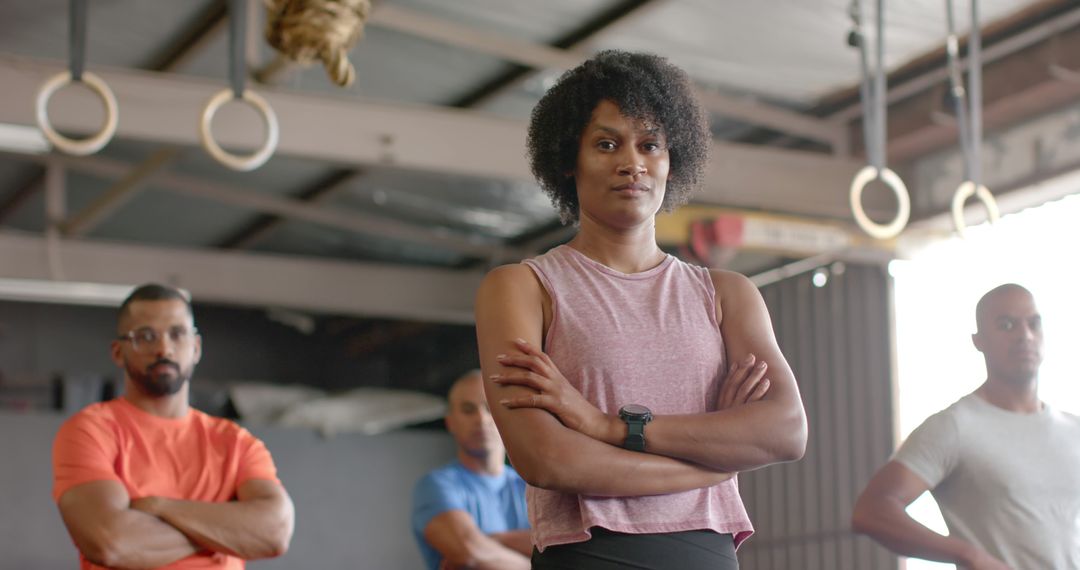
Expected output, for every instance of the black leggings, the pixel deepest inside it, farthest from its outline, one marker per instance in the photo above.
(609, 550)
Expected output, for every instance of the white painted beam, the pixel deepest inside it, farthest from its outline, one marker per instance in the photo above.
(164, 108)
(781, 180)
(364, 289)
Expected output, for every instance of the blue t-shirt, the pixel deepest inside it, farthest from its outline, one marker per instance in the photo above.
(496, 503)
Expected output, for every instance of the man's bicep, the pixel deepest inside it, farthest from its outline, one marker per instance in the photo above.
(254, 489)
(932, 450)
(895, 481)
(87, 507)
(256, 462)
(433, 497)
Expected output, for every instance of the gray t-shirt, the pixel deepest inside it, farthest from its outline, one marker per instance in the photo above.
(1005, 481)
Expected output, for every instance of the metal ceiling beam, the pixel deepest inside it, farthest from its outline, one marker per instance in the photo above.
(624, 11)
(1035, 24)
(558, 54)
(783, 181)
(191, 41)
(328, 128)
(440, 30)
(528, 56)
(939, 73)
(540, 56)
(420, 138)
(91, 216)
(331, 185)
(1014, 88)
(188, 44)
(352, 221)
(246, 279)
(32, 185)
(832, 133)
(1035, 99)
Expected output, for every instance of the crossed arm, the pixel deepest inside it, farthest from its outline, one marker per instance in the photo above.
(768, 430)
(113, 531)
(557, 440)
(463, 545)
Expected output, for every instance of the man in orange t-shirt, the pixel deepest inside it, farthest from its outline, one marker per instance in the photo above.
(145, 481)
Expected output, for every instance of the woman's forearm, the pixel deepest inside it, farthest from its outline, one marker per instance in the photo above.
(739, 439)
(570, 462)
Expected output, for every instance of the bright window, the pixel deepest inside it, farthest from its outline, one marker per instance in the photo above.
(936, 292)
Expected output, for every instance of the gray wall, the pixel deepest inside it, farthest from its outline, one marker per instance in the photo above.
(352, 496)
(838, 340)
(39, 341)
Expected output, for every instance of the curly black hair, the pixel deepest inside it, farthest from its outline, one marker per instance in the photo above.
(643, 86)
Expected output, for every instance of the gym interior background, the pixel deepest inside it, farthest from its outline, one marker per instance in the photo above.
(350, 258)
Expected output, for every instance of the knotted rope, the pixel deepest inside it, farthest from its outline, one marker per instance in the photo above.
(308, 30)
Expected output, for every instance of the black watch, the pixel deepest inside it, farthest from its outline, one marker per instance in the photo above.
(635, 416)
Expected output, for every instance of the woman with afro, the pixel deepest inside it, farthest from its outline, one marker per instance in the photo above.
(628, 386)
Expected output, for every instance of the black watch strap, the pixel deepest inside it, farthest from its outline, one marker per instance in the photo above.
(635, 435)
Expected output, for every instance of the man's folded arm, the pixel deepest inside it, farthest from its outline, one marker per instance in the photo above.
(110, 533)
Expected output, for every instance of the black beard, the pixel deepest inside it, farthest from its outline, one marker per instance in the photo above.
(158, 385)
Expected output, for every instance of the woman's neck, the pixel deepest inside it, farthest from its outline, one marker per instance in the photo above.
(631, 250)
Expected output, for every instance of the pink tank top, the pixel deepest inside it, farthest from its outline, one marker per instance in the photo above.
(647, 338)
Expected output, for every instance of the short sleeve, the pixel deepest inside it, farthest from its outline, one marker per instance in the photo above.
(85, 450)
(932, 450)
(255, 460)
(433, 495)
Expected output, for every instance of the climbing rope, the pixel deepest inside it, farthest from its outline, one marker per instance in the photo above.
(308, 30)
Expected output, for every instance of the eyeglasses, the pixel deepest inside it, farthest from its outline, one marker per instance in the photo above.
(145, 339)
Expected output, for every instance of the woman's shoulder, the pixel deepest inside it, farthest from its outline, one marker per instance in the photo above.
(510, 274)
(510, 279)
(734, 292)
(729, 283)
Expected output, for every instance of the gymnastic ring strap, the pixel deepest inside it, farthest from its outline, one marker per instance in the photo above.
(237, 36)
(237, 77)
(76, 38)
(76, 63)
(873, 95)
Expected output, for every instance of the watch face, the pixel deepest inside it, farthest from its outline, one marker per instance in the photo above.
(635, 410)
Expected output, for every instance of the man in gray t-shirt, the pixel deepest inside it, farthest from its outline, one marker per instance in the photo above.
(1003, 466)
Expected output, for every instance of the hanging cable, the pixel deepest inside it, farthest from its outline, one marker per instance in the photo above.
(968, 108)
(238, 91)
(872, 93)
(75, 73)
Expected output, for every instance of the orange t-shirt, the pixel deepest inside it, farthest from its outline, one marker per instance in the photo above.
(197, 457)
